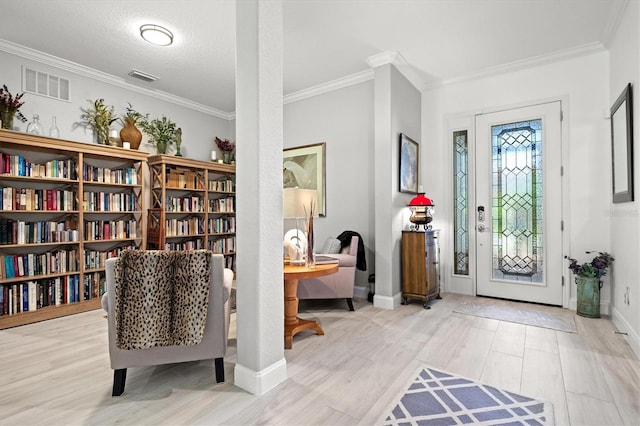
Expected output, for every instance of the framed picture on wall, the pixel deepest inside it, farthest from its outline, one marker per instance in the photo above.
(622, 147)
(304, 167)
(409, 164)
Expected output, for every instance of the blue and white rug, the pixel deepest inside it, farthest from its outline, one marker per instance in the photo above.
(437, 398)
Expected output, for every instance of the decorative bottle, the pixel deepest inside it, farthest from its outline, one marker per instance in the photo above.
(34, 127)
(53, 131)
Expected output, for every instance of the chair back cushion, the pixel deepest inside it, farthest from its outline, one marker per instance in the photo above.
(161, 297)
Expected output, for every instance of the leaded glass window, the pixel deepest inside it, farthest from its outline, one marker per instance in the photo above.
(460, 203)
(517, 201)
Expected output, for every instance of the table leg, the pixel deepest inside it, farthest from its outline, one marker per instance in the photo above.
(293, 324)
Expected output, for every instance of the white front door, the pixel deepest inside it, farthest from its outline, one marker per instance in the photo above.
(519, 204)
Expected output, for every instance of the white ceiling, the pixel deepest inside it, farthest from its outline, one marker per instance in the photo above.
(324, 40)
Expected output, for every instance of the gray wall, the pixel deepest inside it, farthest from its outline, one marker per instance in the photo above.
(343, 119)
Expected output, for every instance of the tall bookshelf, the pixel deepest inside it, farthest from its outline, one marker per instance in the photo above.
(65, 208)
(195, 202)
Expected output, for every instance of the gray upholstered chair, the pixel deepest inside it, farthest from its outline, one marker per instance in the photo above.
(335, 286)
(213, 344)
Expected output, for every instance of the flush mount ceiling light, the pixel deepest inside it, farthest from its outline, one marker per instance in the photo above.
(156, 34)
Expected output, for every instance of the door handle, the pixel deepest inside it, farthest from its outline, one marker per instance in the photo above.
(481, 228)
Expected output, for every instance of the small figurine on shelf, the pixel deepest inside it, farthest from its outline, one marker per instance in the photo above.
(178, 141)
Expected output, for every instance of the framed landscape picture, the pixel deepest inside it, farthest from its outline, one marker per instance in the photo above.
(409, 164)
(304, 167)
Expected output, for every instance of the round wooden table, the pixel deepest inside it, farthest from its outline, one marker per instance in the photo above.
(293, 324)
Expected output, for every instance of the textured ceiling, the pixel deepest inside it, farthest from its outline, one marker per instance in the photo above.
(324, 40)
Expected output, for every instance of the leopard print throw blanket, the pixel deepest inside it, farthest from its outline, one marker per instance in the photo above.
(162, 297)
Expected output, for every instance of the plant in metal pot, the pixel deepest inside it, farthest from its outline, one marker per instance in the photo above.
(98, 117)
(597, 268)
(161, 132)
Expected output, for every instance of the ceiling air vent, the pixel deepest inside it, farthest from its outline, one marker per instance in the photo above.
(143, 76)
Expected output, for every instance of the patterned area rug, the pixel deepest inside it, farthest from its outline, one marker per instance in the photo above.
(437, 398)
(538, 318)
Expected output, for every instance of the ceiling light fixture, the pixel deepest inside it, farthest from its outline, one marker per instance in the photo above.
(156, 34)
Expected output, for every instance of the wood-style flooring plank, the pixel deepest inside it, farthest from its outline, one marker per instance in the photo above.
(57, 372)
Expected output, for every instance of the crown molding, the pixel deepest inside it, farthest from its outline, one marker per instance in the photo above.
(401, 64)
(45, 58)
(613, 22)
(330, 86)
(561, 55)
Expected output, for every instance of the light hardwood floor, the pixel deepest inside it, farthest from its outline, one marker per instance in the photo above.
(57, 371)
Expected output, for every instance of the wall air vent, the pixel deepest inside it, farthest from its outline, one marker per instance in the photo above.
(44, 84)
(143, 76)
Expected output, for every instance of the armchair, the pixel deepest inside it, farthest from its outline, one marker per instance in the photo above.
(213, 343)
(336, 286)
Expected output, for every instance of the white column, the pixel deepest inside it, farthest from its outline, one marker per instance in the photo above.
(260, 314)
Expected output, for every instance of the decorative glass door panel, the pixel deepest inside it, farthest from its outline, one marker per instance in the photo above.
(517, 201)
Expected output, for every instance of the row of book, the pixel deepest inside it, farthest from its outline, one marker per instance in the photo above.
(222, 225)
(94, 285)
(31, 199)
(94, 259)
(127, 176)
(32, 295)
(21, 232)
(184, 245)
(109, 201)
(223, 185)
(32, 264)
(185, 204)
(110, 229)
(222, 205)
(223, 245)
(183, 179)
(17, 165)
(179, 227)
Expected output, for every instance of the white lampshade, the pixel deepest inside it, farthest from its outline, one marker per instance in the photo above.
(298, 203)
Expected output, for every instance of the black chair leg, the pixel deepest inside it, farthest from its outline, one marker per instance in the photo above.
(350, 303)
(119, 378)
(219, 363)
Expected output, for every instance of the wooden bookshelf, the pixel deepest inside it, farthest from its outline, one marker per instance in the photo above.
(65, 207)
(195, 203)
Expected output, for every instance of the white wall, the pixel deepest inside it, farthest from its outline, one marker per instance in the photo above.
(580, 83)
(343, 119)
(198, 128)
(624, 65)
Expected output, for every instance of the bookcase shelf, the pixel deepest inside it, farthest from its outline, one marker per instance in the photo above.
(46, 185)
(184, 194)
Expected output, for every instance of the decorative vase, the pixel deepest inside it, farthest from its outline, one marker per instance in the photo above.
(588, 296)
(161, 147)
(227, 157)
(6, 116)
(130, 133)
(310, 258)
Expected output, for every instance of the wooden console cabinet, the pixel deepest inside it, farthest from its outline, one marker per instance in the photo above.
(420, 266)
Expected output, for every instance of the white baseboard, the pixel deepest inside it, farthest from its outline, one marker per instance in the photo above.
(260, 382)
(386, 302)
(623, 326)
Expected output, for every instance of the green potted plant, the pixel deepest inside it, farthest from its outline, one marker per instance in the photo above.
(10, 107)
(161, 132)
(588, 281)
(99, 117)
(129, 132)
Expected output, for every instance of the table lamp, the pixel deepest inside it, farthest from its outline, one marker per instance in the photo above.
(421, 212)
